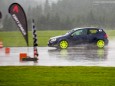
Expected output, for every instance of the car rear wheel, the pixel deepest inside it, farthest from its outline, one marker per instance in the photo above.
(100, 44)
(63, 44)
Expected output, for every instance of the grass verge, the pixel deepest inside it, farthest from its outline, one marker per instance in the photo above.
(52, 76)
(15, 38)
(57, 76)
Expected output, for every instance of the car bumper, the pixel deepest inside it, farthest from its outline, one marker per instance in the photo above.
(106, 42)
(54, 44)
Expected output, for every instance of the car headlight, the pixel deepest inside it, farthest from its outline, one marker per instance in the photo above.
(53, 40)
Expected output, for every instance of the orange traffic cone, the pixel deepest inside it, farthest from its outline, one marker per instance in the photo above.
(1, 44)
(7, 50)
(22, 56)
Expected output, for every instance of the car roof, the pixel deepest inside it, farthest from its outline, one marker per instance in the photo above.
(87, 28)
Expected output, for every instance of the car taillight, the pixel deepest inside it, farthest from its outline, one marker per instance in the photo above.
(106, 36)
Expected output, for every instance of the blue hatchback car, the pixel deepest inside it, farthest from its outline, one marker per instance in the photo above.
(80, 36)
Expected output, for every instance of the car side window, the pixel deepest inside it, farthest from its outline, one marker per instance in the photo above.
(80, 32)
(92, 31)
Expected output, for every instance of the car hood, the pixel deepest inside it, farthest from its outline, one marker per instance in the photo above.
(57, 37)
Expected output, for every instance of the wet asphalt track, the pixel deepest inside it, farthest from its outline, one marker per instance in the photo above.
(79, 56)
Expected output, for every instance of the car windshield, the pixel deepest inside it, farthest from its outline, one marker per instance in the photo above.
(69, 32)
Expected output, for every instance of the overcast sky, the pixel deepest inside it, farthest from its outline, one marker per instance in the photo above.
(42, 1)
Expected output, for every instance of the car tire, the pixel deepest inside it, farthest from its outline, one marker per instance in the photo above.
(100, 43)
(63, 44)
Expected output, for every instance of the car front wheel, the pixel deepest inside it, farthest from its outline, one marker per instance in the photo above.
(63, 44)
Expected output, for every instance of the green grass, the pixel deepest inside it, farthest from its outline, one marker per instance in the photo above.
(57, 76)
(12, 39)
(15, 38)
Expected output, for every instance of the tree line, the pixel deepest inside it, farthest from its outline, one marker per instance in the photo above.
(68, 14)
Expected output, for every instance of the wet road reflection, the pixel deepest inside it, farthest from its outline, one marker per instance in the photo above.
(80, 54)
(74, 56)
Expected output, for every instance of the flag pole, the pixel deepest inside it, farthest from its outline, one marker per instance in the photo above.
(35, 43)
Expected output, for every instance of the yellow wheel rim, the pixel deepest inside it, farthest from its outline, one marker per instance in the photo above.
(100, 44)
(63, 44)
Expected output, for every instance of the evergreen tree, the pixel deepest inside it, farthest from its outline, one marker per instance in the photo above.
(47, 8)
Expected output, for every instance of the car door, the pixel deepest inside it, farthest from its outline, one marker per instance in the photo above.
(92, 35)
(79, 36)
